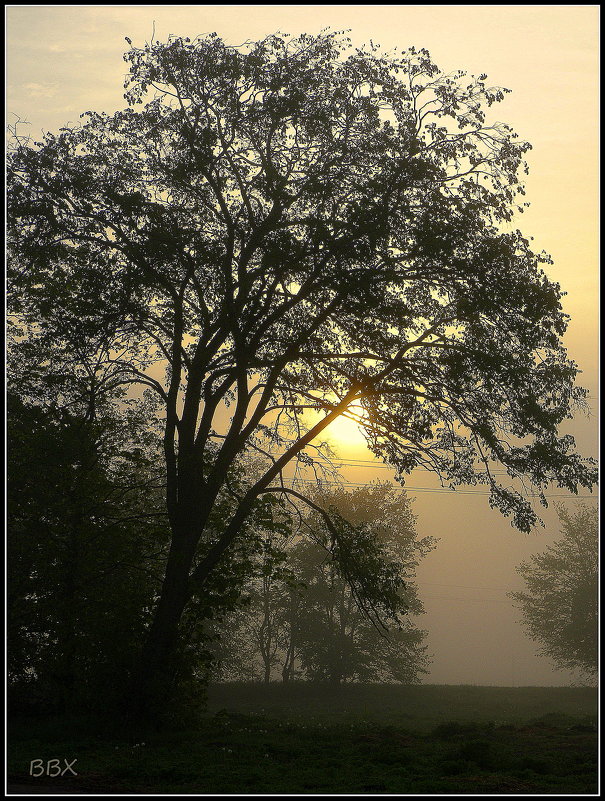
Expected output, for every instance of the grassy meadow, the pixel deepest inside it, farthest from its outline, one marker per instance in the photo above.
(312, 739)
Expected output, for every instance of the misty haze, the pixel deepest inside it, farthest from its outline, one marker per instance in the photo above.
(301, 394)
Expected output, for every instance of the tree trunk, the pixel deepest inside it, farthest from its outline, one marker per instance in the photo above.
(153, 679)
(288, 668)
(290, 656)
(266, 633)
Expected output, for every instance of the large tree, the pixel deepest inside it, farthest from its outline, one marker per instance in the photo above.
(295, 225)
(560, 602)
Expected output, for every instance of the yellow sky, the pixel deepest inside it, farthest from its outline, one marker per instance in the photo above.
(63, 60)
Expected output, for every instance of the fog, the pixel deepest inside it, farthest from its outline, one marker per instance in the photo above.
(474, 633)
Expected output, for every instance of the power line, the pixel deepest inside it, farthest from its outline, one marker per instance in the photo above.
(462, 586)
(377, 465)
(368, 463)
(475, 600)
(441, 490)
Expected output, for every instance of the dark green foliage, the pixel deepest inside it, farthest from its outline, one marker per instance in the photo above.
(560, 603)
(479, 752)
(84, 547)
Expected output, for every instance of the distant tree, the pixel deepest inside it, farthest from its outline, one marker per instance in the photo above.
(336, 639)
(252, 643)
(269, 598)
(560, 603)
(307, 615)
(291, 225)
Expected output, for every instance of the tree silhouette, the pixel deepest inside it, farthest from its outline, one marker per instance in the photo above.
(560, 603)
(336, 640)
(297, 225)
(307, 613)
(86, 541)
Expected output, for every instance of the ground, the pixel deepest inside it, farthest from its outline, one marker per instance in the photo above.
(313, 739)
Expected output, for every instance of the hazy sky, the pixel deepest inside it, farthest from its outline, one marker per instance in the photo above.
(63, 60)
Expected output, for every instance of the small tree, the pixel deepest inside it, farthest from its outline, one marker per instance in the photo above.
(559, 605)
(337, 640)
(335, 616)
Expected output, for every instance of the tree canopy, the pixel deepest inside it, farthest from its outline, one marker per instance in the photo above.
(298, 225)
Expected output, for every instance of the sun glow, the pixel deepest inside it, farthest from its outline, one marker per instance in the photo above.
(345, 435)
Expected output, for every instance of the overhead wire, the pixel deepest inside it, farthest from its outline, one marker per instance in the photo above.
(441, 490)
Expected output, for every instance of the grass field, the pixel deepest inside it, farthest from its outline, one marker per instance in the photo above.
(367, 739)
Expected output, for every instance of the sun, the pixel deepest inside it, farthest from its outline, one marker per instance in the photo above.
(345, 435)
